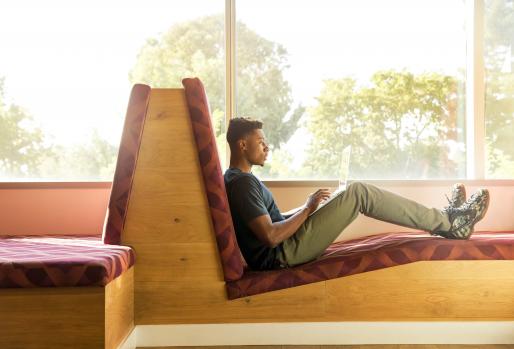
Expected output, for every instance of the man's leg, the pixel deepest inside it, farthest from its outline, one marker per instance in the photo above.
(323, 227)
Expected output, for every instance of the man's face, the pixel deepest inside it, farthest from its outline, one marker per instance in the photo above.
(255, 147)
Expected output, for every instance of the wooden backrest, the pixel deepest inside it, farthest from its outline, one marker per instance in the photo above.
(167, 221)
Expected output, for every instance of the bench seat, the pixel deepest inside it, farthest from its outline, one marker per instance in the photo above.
(61, 261)
(374, 252)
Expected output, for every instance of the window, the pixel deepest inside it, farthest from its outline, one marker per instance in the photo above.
(387, 77)
(391, 78)
(499, 79)
(66, 71)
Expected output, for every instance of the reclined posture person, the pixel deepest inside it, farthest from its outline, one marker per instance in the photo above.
(270, 240)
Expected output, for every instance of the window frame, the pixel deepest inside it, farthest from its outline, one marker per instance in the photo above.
(475, 87)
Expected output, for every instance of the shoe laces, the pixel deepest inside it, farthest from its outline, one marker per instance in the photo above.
(455, 212)
(455, 197)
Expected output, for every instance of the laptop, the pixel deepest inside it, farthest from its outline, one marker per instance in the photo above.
(344, 170)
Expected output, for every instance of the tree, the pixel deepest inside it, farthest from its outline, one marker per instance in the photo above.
(398, 125)
(196, 48)
(21, 143)
(499, 43)
(94, 160)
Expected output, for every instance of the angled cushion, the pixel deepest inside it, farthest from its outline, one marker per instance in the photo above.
(126, 164)
(231, 258)
(60, 261)
(376, 252)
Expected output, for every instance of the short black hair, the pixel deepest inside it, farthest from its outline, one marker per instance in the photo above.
(240, 127)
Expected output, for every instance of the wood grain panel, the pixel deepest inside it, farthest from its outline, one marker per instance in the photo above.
(167, 202)
(457, 290)
(119, 309)
(184, 262)
(178, 224)
(449, 270)
(178, 302)
(64, 317)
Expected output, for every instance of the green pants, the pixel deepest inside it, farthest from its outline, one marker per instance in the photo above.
(324, 226)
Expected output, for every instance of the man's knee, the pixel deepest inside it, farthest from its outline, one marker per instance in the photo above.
(359, 191)
(355, 186)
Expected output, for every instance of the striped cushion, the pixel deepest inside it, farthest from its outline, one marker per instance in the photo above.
(376, 252)
(126, 163)
(232, 260)
(55, 261)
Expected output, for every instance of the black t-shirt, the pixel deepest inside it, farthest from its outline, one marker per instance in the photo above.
(249, 198)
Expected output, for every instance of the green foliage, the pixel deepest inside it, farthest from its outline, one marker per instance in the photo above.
(262, 92)
(91, 161)
(499, 165)
(400, 124)
(499, 43)
(196, 48)
(397, 126)
(188, 49)
(21, 144)
(26, 153)
(499, 17)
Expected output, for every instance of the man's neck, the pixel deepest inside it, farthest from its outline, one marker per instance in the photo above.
(241, 164)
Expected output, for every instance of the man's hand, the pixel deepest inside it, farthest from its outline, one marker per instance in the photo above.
(315, 199)
(272, 234)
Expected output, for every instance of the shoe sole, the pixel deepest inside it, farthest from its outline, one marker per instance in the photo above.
(479, 218)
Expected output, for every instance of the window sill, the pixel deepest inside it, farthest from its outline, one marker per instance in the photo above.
(392, 182)
(272, 183)
(55, 185)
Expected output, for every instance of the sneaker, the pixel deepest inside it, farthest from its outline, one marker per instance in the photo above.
(458, 195)
(464, 218)
(457, 200)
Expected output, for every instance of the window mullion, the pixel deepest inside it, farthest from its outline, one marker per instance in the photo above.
(475, 91)
(230, 64)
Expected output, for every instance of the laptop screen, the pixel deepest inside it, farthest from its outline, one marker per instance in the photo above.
(344, 170)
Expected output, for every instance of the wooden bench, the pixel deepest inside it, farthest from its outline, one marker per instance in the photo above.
(75, 291)
(190, 269)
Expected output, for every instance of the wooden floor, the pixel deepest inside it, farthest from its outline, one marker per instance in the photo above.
(377, 346)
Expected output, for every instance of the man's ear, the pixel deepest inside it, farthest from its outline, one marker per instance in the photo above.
(242, 144)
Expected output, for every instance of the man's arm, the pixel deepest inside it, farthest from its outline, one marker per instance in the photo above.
(273, 234)
(291, 212)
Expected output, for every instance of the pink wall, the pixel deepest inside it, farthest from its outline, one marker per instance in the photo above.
(79, 208)
(53, 208)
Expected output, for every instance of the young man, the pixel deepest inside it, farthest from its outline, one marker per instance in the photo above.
(270, 240)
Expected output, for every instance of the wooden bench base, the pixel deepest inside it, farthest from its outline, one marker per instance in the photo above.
(420, 291)
(68, 317)
(179, 279)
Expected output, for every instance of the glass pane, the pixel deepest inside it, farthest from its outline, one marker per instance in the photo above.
(66, 71)
(499, 102)
(386, 77)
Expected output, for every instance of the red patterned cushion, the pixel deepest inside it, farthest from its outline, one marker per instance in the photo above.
(232, 261)
(126, 163)
(56, 261)
(375, 252)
